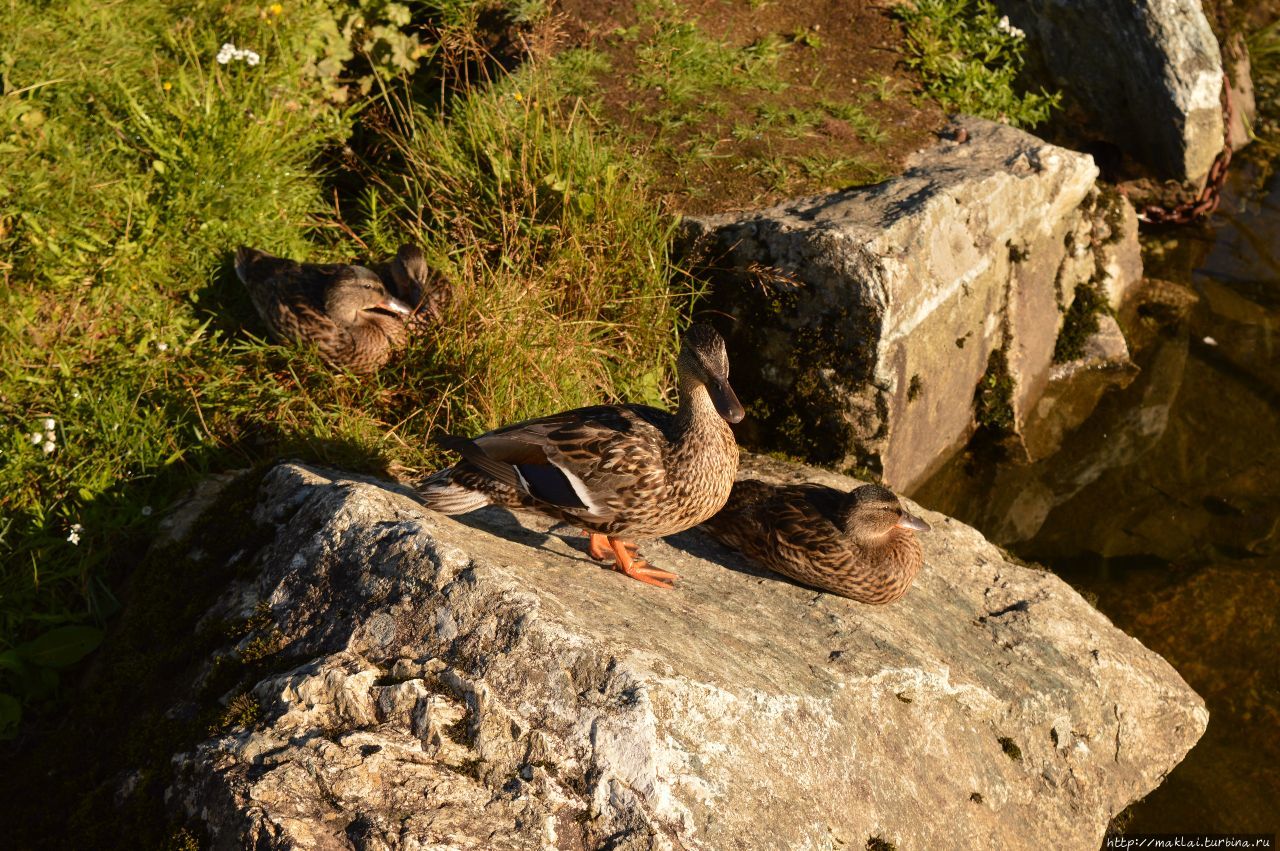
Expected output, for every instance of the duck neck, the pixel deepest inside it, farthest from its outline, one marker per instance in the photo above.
(898, 556)
(696, 412)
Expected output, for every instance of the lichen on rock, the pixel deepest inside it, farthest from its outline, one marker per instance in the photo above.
(479, 683)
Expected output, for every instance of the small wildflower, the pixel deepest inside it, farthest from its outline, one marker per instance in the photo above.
(50, 424)
(146, 511)
(74, 535)
(164, 347)
(519, 98)
(48, 447)
(276, 9)
(166, 85)
(36, 438)
(1006, 27)
(230, 53)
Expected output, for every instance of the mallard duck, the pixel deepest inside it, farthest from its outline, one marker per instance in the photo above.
(619, 471)
(416, 286)
(344, 311)
(858, 544)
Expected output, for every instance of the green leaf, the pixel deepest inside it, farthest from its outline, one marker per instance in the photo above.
(61, 647)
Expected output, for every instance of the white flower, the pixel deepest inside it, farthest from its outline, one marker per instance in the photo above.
(1005, 26)
(48, 447)
(50, 424)
(164, 347)
(230, 53)
(146, 511)
(74, 536)
(36, 438)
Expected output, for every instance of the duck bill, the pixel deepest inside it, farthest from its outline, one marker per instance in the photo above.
(910, 521)
(726, 402)
(394, 305)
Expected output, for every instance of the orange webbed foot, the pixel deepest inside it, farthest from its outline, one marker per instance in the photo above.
(598, 546)
(636, 568)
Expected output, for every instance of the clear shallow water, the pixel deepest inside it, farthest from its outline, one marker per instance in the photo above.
(1165, 505)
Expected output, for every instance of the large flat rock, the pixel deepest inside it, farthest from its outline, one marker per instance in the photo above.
(860, 323)
(479, 683)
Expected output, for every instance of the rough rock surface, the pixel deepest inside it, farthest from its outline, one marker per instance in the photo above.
(481, 684)
(1147, 74)
(860, 323)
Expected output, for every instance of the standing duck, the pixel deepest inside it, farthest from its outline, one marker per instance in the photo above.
(344, 311)
(619, 471)
(860, 544)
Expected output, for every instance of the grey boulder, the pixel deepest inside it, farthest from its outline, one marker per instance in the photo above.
(481, 684)
(860, 323)
(1147, 75)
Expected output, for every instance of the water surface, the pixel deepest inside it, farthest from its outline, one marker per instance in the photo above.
(1165, 503)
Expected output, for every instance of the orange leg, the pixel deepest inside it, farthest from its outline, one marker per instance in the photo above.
(628, 563)
(598, 546)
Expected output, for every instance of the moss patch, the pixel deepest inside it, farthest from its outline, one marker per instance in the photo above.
(993, 400)
(1080, 323)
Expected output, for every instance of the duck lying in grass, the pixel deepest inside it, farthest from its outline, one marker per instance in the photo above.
(619, 471)
(860, 544)
(416, 286)
(344, 311)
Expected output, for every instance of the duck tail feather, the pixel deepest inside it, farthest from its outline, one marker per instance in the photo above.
(441, 493)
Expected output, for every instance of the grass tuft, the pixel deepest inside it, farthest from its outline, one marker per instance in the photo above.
(969, 57)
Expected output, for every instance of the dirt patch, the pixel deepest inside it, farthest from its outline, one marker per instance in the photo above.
(818, 99)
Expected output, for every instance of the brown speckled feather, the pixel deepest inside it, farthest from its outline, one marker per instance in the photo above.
(619, 470)
(644, 479)
(800, 532)
(292, 299)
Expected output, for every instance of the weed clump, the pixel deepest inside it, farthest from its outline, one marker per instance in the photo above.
(993, 401)
(241, 713)
(970, 57)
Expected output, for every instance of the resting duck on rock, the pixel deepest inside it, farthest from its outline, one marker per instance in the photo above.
(619, 471)
(343, 310)
(860, 544)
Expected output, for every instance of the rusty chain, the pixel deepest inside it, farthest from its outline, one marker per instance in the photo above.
(1207, 200)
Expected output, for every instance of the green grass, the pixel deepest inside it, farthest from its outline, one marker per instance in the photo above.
(1264, 58)
(135, 163)
(969, 62)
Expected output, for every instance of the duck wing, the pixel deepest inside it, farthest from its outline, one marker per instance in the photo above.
(586, 462)
(289, 296)
(803, 531)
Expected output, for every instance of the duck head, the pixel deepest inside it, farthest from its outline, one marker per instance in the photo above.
(871, 513)
(357, 291)
(703, 360)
